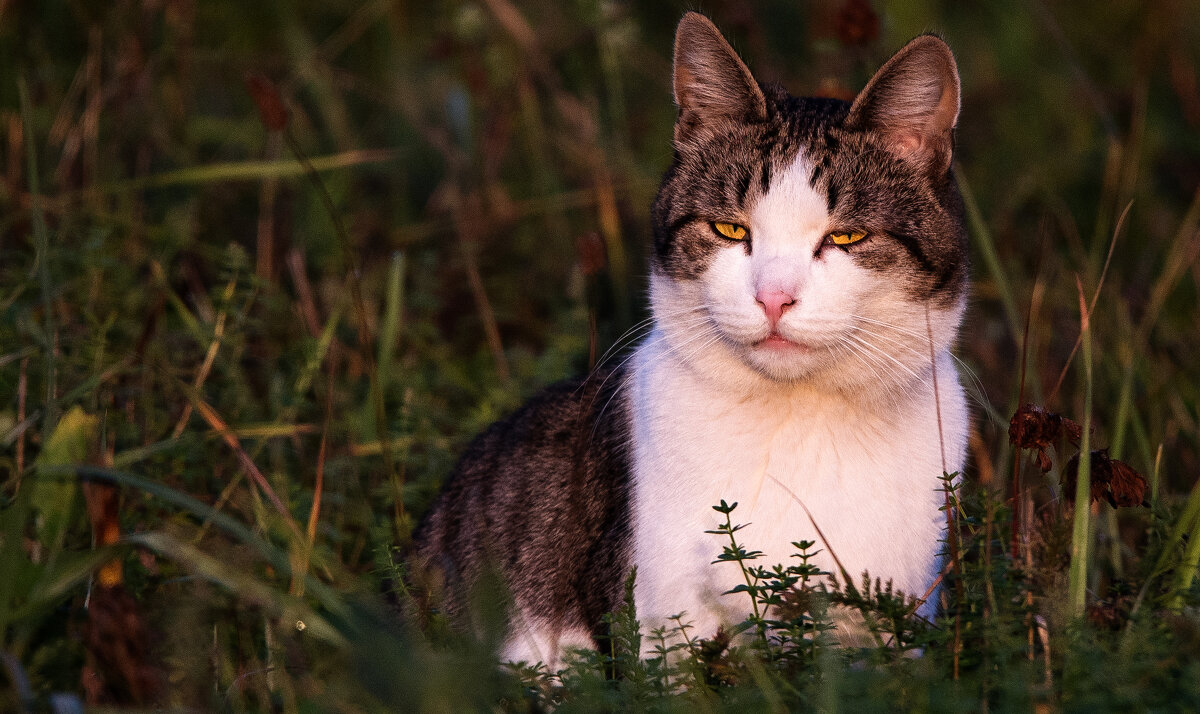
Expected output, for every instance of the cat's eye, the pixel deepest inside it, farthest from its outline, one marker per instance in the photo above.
(732, 231)
(846, 237)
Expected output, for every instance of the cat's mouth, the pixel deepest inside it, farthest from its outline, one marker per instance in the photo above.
(776, 341)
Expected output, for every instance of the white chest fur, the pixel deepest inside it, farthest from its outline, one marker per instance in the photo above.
(867, 471)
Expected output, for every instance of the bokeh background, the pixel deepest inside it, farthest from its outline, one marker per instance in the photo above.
(351, 234)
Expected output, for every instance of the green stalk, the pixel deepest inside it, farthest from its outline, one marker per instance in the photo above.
(1185, 573)
(392, 315)
(1124, 409)
(1078, 574)
(1187, 526)
(1124, 412)
(272, 554)
(1154, 479)
(400, 522)
(42, 241)
(13, 519)
(1185, 523)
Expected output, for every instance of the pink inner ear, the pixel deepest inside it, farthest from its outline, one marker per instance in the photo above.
(908, 143)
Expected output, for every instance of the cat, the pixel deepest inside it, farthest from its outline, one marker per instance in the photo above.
(808, 279)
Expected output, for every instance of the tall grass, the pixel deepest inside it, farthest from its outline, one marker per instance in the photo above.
(237, 357)
(1081, 533)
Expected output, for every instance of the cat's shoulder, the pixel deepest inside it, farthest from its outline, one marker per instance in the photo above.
(558, 418)
(570, 436)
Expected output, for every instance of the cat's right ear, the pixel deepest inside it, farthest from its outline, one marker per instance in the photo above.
(912, 102)
(712, 84)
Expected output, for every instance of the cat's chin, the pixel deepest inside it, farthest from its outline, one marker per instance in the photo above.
(799, 368)
(788, 361)
(781, 359)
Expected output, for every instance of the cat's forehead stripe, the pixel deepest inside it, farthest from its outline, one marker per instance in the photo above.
(791, 209)
(742, 185)
(832, 201)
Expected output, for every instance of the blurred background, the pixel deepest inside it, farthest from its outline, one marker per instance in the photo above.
(351, 234)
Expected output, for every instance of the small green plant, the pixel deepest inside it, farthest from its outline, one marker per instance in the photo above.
(788, 604)
(988, 647)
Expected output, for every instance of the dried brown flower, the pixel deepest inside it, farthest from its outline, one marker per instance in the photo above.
(1033, 427)
(794, 604)
(1110, 613)
(856, 23)
(1112, 480)
(271, 110)
(714, 654)
(593, 254)
(1128, 487)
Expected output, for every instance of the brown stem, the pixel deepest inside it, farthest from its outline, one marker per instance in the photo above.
(366, 338)
(467, 242)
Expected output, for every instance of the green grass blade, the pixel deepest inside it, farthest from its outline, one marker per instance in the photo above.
(1184, 524)
(276, 557)
(56, 582)
(224, 172)
(393, 313)
(1077, 578)
(1154, 477)
(313, 364)
(1185, 571)
(13, 519)
(42, 241)
(276, 603)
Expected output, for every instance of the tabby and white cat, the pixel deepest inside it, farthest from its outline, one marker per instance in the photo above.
(808, 277)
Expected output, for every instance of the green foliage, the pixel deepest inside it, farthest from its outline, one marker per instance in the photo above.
(267, 335)
(977, 655)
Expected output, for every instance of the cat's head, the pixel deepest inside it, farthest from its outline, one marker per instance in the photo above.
(805, 239)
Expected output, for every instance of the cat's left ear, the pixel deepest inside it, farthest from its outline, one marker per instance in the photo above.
(912, 102)
(712, 84)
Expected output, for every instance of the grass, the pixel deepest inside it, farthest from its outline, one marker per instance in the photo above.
(239, 349)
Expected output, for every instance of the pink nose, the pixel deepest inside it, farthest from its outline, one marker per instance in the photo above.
(774, 303)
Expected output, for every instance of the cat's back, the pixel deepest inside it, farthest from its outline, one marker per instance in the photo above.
(542, 496)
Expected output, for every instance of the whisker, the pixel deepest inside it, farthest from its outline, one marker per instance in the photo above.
(880, 352)
(711, 333)
(630, 335)
(868, 360)
(874, 359)
(976, 389)
(880, 335)
(976, 386)
(645, 329)
(713, 336)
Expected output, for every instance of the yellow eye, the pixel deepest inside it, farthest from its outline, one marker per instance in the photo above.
(846, 238)
(732, 231)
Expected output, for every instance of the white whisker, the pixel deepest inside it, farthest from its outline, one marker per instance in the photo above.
(922, 338)
(640, 329)
(878, 351)
(710, 333)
